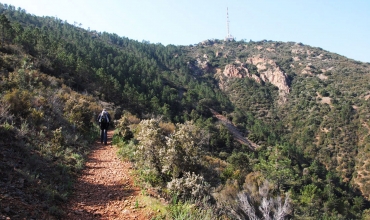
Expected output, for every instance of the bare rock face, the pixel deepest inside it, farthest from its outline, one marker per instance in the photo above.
(270, 72)
(231, 71)
(203, 64)
(267, 69)
(200, 65)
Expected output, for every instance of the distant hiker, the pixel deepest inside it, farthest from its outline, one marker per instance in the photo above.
(104, 119)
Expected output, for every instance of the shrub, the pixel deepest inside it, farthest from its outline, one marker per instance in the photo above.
(183, 150)
(36, 116)
(186, 210)
(57, 140)
(122, 128)
(79, 112)
(168, 156)
(20, 102)
(167, 128)
(244, 205)
(151, 146)
(190, 186)
(127, 150)
(5, 114)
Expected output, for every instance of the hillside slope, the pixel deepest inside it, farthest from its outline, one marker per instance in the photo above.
(306, 108)
(320, 98)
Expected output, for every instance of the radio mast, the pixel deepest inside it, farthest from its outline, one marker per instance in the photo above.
(229, 37)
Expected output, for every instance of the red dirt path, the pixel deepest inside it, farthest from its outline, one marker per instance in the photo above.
(105, 188)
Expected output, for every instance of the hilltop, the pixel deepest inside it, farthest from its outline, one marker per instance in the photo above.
(304, 111)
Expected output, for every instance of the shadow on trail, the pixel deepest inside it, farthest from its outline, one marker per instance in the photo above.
(92, 202)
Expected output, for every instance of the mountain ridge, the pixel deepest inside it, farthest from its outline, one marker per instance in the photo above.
(305, 107)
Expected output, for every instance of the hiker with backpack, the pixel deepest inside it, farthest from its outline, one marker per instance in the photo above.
(104, 119)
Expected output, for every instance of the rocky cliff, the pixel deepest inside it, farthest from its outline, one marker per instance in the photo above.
(268, 71)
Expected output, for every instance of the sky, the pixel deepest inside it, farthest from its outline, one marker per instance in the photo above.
(338, 26)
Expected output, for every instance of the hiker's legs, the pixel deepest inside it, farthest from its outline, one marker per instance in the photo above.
(105, 136)
(101, 135)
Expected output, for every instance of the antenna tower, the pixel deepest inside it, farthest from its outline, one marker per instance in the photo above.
(229, 37)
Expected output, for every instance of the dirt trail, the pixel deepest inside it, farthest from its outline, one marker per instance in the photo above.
(105, 188)
(237, 135)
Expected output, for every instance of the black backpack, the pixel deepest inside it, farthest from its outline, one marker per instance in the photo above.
(104, 118)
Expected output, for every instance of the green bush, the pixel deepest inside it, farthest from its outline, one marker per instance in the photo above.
(20, 102)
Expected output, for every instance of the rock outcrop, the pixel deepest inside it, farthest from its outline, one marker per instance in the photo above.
(270, 72)
(267, 69)
(200, 66)
(233, 71)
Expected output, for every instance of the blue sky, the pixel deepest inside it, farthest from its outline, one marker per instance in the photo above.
(339, 26)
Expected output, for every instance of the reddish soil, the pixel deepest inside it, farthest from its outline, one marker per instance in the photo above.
(105, 189)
